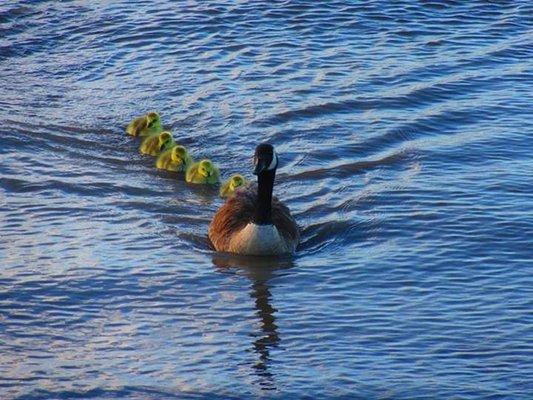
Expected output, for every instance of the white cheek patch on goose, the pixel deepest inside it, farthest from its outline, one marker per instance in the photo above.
(274, 162)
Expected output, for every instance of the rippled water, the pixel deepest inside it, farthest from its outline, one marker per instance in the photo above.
(404, 132)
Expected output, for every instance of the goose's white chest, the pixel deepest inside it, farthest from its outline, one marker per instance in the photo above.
(256, 239)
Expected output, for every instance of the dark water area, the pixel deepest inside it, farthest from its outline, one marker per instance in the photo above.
(405, 138)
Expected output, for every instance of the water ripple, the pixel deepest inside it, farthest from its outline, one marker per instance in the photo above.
(404, 136)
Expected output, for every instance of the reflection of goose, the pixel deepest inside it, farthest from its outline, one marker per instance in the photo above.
(260, 270)
(268, 337)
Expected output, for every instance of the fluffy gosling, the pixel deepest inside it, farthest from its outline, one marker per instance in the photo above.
(148, 124)
(155, 144)
(229, 187)
(175, 159)
(203, 172)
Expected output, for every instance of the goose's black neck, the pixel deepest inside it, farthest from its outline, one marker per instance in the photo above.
(263, 207)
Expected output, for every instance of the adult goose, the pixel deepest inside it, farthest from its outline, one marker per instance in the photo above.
(252, 221)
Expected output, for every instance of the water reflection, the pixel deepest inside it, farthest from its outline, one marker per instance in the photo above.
(259, 270)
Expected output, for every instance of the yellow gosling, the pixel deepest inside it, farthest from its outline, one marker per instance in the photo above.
(229, 187)
(148, 124)
(176, 159)
(155, 144)
(203, 172)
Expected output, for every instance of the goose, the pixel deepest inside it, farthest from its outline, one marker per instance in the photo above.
(155, 144)
(252, 221)
(203, 172)
(146, 125)
(229, 187)
(176, 159)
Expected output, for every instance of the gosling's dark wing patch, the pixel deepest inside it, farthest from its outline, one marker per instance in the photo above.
(138, 125)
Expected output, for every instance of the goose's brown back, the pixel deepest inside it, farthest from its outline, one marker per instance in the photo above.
(238, 211)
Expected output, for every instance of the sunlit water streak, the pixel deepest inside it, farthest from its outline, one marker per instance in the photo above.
(404, 132)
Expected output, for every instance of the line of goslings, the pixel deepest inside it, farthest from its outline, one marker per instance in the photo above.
(172, 156)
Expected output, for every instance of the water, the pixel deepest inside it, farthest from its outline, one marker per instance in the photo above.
(404, 132)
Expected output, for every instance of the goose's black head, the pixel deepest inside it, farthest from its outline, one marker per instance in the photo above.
(265, 158)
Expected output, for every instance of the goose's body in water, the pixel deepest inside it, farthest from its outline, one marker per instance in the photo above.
(253, 222)
(260, 240)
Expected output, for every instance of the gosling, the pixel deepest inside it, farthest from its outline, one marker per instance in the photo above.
(175, 159)
(148, 124)
(229, 187)
(155, 144)
(203, 172)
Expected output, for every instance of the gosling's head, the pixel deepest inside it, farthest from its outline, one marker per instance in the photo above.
(236, 181)
(206, 168)
(153, 120)
(164, 138)
(178, 154)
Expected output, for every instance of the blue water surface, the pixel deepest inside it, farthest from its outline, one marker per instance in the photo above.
(404, 131)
